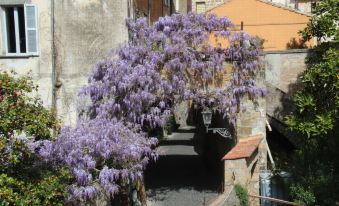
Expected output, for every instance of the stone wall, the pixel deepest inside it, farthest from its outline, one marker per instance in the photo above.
(253, 120)
(282, 71)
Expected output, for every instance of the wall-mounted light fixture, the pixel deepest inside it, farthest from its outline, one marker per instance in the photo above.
(207, 118)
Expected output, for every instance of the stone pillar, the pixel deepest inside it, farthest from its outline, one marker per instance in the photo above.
(250, 123)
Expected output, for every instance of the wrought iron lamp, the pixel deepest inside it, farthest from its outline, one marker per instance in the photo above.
(207, 118)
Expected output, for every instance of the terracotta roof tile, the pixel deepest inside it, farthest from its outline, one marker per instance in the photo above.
(244, 148)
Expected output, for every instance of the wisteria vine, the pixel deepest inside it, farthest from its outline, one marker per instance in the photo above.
(168, 62)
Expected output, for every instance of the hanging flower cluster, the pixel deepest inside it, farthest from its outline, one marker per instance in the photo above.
(168, 62)
(101, 150)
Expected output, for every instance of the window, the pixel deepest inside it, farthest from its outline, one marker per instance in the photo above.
(167, 2)
(20, 29)
(313, 5)
(200, 7)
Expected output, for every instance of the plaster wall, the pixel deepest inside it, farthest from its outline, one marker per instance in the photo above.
(86, 31)
(40, 67)
(277, 25)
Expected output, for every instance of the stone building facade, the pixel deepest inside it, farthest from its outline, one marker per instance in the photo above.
(71, 36)
(65, 39)
(153, 9)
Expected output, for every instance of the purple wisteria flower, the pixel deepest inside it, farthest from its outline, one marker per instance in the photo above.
(170, 61)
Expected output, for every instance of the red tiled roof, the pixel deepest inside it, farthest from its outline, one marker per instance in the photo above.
(244, 148)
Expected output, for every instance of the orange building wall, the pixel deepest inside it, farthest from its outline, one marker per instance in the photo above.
(277, 26)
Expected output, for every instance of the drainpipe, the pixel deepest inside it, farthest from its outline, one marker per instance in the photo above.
(149, 12)
(162, 8)
(54, 78)
(128, 9)
(171, 7)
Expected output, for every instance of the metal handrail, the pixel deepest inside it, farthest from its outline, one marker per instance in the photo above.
(275, 200)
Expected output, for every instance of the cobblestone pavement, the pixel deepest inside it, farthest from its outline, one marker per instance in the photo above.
(180, 177)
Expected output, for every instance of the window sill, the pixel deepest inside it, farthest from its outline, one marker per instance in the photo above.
(18, 56)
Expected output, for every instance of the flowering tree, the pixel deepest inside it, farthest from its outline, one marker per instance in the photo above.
(168, 62)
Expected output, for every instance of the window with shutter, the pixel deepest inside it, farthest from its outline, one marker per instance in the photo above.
(200, 7)
(31, 28)
(20, 29)
(167, 2)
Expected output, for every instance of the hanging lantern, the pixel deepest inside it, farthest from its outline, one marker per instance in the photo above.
(207, 117)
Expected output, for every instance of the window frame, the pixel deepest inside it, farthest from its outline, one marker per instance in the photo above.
(167, 3)
(200, 3)
(3, 18)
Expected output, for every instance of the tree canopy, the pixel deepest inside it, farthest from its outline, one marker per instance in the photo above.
(315, 119)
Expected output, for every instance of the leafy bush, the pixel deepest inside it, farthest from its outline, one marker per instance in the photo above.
(24, 179)
(170, 124)
(301, 195)
(241, 194)
(49, 188)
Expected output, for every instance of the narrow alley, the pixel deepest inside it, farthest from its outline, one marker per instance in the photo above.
(181, 176)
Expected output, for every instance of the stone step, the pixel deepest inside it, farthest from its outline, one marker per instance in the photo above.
(177, 150)
(167, 142)
(180, 136)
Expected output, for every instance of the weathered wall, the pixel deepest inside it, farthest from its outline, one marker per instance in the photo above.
(86, 31)
(39, 66)
(282, 72)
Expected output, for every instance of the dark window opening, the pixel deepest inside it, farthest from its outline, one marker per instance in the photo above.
(15, 29)
(22, 29)
(11, 44)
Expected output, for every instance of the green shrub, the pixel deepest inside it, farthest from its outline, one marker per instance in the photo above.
(315, 166)
(170, 124)
(49, 188)
(24, 179)
(301, 195)
(241, 194)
